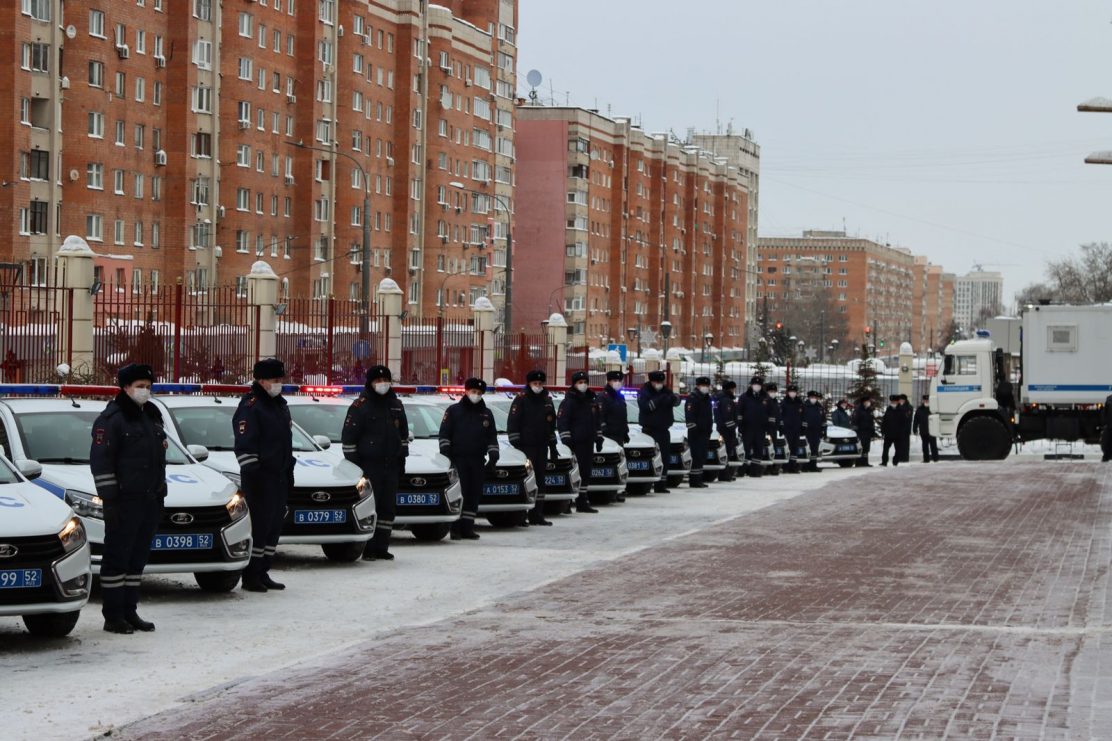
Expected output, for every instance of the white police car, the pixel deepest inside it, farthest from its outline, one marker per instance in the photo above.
(324, 507)
(45, 572)
(679, 454)
(558, 484)
(205, 528)
(840, 445)
(509, 495)
(609, 472)
(716, 461)
(429, 499)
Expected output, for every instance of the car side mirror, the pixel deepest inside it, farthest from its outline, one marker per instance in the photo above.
(322, 441)
(31, 470)
(200, 452)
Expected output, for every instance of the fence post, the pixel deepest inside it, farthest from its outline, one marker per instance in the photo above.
(330, 340)
(907, 377)
(674, 362)
(441, 372)
(77, 275)
(262, 293)
(390, 300)
(179, 317)
(558, 341)
(614, 361)
(652, 360)
(484, 337)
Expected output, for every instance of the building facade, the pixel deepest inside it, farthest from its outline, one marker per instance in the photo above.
(621, 231)
(977, 294)
(188, 139)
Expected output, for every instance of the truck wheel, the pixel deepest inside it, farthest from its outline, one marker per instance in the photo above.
(430, 532)
(217, 581)
(506, 519)
(343, 552)
(984, 439)
(51, 625)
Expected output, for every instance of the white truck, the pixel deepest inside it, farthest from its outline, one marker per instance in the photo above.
(1057, 392)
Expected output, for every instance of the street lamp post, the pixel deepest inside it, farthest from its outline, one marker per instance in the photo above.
(365, 259)
(507, 311)
(666, 332)
(708, 338)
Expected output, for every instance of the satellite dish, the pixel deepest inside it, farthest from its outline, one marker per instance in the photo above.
(71, 32)
(534, 78)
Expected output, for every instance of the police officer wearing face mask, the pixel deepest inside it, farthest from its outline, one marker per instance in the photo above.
(128, 462)
(613, 415)
(725, 419)
(814, 421)
(264, 448)
(792, 411)
(531, 428)
(775, 422)
(699, 416)
(469, 439)
(580, 429)
(376, 438)
(754, 423)
(655, 402)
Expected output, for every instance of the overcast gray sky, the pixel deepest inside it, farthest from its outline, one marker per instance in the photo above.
(948, 127)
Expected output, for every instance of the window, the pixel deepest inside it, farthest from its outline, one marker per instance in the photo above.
(245, 69)
(156, 242)
(94, 227)
(1061, 338)
(96, 23)
(120, 85)
(118, 182)
(34, 165)
(960, 365)
(96, 74)
(245, 23)
(140, 136)
(202, 54)
(96, 125)
(138, 234)
(119, 138)
(136, 280)
(140, 89)
(156, 96)
(36, 57)
(202, 9)
(140, 42)
(202, 99)
(243, 199)
(118, 238)
(201, 145)
(94, 176)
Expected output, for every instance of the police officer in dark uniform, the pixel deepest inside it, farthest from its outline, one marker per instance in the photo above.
(376, 438)
(921, 425)
(903, 437)
(888, 425)
(725, 420)
(865, 424)
(580, 429)
(655, 402)
(755, 422)
(264, 449)
(775, 422)
(699, 416)
(531, 429)
(469, 439)
(814, 422)
(792, 412)
(128, 462)
(613, 413)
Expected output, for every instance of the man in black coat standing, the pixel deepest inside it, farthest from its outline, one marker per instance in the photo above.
(128, 462)
(613, 413)
(865, 424)
(814, 422)
(580, 429)
(725, 420)
(888, 430)
(1106, 433)
(375, 437)
(755, 422)
(531, 428)
(655, 402)
(921, 426)
(469, 439)
(699, 415)
(264, 448)
(903, 430)
(791, 410)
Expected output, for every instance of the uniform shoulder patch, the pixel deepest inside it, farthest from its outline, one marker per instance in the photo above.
(359, 402)
(250, 400)
(242, 426)
(98, 436)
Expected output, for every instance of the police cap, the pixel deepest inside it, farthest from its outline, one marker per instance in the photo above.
(756, 381)
(812, 394)
(728, 385)
(657, 376)
(702, 381)
(476, 384)
(771, 387)
(615, 376)
(536, 375)
(580, 376)
(792, 387)
(133, 372)
(269, 368)
(378, 373)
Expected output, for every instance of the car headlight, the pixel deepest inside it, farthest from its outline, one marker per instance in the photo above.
(234, 478)
(528, 466)
(236, 506)
(453, 476)
(85, 504)
(72, 535)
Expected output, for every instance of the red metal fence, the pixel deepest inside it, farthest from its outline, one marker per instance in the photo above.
(515, 355)
(327, 341)
(441, 351)
(35, 328)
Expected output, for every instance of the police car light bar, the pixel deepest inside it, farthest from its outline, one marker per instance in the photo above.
(322, 390)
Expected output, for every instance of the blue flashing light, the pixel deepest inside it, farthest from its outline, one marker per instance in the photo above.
(30, 389)
(983, 334)
(176, 388)
(630, 393)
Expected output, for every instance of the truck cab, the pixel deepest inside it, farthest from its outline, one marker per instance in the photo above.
(971, 400)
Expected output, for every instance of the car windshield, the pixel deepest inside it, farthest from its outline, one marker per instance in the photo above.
(500, 408)
(65, 437)
(424, 420)
(211, 426)
(320, 419)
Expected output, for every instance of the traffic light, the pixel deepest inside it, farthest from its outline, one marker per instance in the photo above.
(779, 326)
(881, 343)
(868, 330)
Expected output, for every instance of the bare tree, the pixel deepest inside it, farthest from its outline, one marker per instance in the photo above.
(1036, 293)
(814, 319)
(1084, 278)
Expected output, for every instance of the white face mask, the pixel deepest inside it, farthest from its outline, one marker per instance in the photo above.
(791, 394)
(139, 395)
(616, 385)
(274, 389)
(536, 388)
(581, 387)
(756, 388)
(381, 388)
(658, 386)
(474, 397)
(704, 389)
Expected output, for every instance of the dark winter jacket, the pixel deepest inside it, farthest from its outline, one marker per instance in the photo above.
(903, 420)
(888, 422)
(814, 417)
(128, 453)
(840, 418)
(375, 430)
(725, 414)
(263, 436)
(921, 424)
(615, 420)
(864, 421)
(532, 421)
(655, 408)
(578, 419)
(467, 432)
(699, 415)
(756, 416)
(791, 411)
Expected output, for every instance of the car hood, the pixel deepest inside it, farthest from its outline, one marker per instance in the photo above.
(416, 462)
(504, 443)
(833, 431)
(316, 468)
(189, 485)
(30, 510)
(427, 450)
(677, 433)
(638, 439)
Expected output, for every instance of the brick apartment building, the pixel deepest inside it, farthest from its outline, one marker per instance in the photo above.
(896, 295)
(167, 134)
(620, 230)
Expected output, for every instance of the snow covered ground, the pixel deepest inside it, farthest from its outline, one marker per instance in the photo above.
(93, 681)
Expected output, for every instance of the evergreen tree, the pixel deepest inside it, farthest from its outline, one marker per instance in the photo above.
(864, 385)
(763, 358)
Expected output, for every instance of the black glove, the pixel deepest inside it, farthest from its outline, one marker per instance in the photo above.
(492, 459)
(598, 445)
(401, 466)
(553, 452)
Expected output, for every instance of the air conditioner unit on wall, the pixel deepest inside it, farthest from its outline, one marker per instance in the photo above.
(124, 51)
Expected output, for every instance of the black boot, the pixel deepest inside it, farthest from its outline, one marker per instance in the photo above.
(695, 480)
(270, 583)
(118, 625)
(464, 529)
(138, 623)
(755, 470)
(583, 504)
(253, 583)
(661, 487)
(536, 517)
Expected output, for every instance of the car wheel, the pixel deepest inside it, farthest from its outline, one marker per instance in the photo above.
(675, 481)
(51, 625)
(600, 497)
(638, 490)
(430, 532)
(709, 476)
(506, 519)
(343, 552)
(217, 581)
(557, 508)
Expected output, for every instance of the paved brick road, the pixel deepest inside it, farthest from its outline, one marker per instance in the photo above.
(949, 601)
